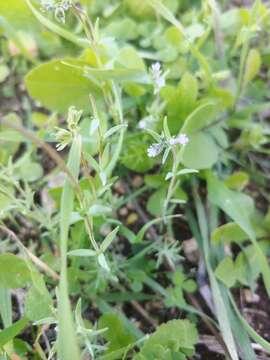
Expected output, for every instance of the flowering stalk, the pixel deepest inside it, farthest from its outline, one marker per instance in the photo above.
(169, 144)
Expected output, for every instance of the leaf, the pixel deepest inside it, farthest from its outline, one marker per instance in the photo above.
(82, 252)
(187, 93)
(109, 239)
(166, 129)
(252, 333)
(155, 203)
(117, 334)
(225, 272)
(227, 233)
(38, 302)
(129, 58)
(9, 333)
(14, 272)
(201, 117)
(240, 208)
(122, 75)
(200, 153)
(134, 155)
(103, 262)
(181, 101)
(247, 265)
(253, 65)
(171, 338)
(113, 130)
(238, 180)
(58, 86)
(139, 9)
(99, 210)
(30, 171)
(181, 172)
(18, 15)
(136, 75)
(5, 306)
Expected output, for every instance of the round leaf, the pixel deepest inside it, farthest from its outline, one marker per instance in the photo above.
(200, 153)
(14, 272)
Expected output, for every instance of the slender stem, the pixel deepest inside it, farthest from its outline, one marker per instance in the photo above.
(173, 181)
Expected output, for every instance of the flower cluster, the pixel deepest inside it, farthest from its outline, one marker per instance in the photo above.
(59, 8)
(156, 148)
(63, 136)
(158, 77)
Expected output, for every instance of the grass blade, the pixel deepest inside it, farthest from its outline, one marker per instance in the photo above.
(221, 309)
(67, 345)
(252, 333)
(12, 331)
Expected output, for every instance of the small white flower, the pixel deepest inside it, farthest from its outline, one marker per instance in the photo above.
(158, 77)
(154, 150)
(156, 67)
(181, 139)
(63, 137)
(142, 124)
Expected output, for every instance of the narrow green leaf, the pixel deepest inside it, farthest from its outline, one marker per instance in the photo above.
(82, 252)
(12, 331)
(109, 239)
(252, 333)
(113, 130)
(166, 128)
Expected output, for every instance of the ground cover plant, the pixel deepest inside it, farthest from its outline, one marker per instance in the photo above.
(134, 167)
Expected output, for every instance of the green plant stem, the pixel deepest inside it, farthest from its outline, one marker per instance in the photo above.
(90, 33)
(173, 182)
